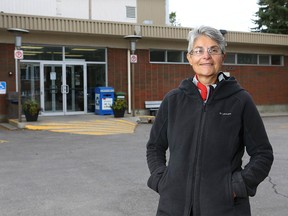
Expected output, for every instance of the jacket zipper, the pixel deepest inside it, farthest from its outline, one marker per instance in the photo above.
(193, 194)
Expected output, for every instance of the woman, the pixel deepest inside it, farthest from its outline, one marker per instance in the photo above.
(206, 124)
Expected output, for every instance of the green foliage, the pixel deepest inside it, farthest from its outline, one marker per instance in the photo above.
(31, 106)
(272, 17)
(173, 20)
(119, 104)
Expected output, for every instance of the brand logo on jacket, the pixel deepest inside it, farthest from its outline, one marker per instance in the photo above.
(225, 113)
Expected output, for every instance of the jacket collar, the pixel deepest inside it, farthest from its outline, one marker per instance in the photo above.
(226, 87)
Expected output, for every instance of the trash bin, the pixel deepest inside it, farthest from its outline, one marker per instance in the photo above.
(12, 102)
(120, 95)
(104, 97)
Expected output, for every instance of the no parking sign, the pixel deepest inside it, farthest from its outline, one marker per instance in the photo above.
(18, 54)
(133, 58)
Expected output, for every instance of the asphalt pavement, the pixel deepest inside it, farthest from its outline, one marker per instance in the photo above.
(46, 173)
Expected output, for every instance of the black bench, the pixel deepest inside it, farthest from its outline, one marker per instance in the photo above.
(153, 106)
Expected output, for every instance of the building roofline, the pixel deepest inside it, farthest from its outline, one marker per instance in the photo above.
(118, 29)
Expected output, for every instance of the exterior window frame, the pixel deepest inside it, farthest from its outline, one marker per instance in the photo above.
(182, 55)
(257, 63)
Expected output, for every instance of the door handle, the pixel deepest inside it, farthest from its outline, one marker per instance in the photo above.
(63, 89)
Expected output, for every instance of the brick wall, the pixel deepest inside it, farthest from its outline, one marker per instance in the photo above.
(153, 81)
(7, 64)
(268, 85)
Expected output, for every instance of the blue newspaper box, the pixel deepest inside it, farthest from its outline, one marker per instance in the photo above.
(104, 97)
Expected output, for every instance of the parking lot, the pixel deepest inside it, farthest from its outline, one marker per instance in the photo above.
(45, 173)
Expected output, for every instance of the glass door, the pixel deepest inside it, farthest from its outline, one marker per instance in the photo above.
(75, 89)
(63, 88)
(51, 88)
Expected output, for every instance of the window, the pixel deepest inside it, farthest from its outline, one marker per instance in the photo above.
(264, 59)
(246, 59)
(37, 52)
(130, 12)
(230, 58)
(157, 56)
(276, 60)
(87, 53)
(42, 52)
(185, 56)
(168, 56)
(255, 59)
(174, 56)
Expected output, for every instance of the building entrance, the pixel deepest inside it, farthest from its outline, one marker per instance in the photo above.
(62, 79)
(63, 89)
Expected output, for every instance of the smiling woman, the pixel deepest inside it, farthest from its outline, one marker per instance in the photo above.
(209, 112)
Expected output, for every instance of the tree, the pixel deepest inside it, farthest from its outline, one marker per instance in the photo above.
(272, 17)
(173, 20)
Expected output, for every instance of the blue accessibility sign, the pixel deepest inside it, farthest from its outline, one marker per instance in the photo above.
(2, 87)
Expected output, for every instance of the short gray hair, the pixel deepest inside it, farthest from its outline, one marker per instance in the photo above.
(210, 32)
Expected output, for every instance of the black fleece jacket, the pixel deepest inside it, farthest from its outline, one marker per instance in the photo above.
(206, 144)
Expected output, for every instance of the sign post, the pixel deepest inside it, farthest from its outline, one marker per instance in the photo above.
(133, 60)
(18, 55)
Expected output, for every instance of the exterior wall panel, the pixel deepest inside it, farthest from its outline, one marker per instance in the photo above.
(153, 11)
(35, 7)
(109, 10)
(112, 10)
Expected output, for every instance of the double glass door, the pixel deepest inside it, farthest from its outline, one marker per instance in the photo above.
(63, 88)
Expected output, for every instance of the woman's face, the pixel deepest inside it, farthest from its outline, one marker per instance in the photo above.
(205, 64)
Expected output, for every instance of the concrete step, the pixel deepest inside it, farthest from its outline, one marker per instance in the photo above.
(8, 126)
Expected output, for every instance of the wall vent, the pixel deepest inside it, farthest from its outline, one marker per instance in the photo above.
(130, 12)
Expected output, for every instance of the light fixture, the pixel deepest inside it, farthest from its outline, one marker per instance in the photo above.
(32, 52)
(84, 49)
(18, 35)
(133, 39)
(31, 47)
(73, 55)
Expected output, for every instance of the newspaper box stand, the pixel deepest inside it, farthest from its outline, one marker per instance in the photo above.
(104, 97)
